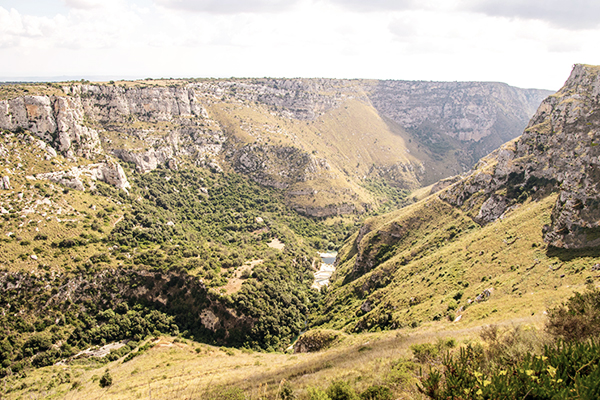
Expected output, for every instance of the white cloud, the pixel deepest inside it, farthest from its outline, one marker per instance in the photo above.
(379, 5)
(229, 6)
(572, 14)
(428, 40)
(83, 4)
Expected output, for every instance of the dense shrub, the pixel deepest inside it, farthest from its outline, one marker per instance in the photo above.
(106, 379)
(341, 390)
(377, 393)
(317, 394)
(429, 352)
(562, 371)
(578, 318)
(315, 340)
(513, 364)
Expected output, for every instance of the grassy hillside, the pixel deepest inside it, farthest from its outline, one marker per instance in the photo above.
(430, 262)
(184, 251)
(177, 369)
(353, 139)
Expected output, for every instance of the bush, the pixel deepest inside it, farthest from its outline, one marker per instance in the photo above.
(377, 393)
(224, 393)
(341, 390)
(565, 370)
(578, 319)
(106, 379)
(510, 345)
(315, 340)
(317, 394)
(401, 374)
(425, 352)
(286, 391)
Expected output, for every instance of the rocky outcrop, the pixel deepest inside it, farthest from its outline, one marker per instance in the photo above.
(557, 152)
(152, 124)
(464, 110)
(78, 177)
(279, 166)
(303, 99)
(5, 183)
(326, 211)
(114, 103)
(55, 119)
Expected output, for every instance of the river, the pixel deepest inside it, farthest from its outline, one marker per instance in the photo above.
(325, 271)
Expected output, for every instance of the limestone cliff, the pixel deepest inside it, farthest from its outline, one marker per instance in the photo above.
(58, 120)
(316, 139)
(557, 152)
(479, 116)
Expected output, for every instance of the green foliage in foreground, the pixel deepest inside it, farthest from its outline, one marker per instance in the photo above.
(562, 370)
(579, 318)
(342, 390)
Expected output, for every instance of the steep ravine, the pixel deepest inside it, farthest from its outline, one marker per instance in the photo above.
(557, 152)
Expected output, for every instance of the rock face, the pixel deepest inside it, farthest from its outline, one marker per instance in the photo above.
(279, 166)
(303, 99)
(57, 120)
(5, 183)
(258, 127)
(557, 152)
(482, 115)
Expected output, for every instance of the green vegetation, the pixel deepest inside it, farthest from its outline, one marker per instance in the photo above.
(429, 262)
(106, 379)
(177, 239)
(509, 367)
(196, 283)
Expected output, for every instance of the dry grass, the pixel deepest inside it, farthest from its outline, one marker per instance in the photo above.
(175, 369)
(11, 91)
(234, 284)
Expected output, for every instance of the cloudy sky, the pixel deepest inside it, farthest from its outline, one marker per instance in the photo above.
(526, 43)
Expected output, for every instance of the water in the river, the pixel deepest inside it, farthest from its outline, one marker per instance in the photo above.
(325, 271)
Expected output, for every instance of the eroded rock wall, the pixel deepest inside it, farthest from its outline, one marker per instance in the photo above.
(557, 152)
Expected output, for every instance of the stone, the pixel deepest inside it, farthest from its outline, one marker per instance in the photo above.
(109, 172)
(5, 183)
(366, 307)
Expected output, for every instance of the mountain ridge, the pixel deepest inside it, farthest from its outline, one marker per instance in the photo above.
(256, 125)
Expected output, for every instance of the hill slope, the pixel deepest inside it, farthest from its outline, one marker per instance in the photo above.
(184, 207)
(476, 248)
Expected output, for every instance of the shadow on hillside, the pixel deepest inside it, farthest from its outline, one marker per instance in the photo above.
(570, 254)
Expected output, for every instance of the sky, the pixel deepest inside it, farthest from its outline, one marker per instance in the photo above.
(525, 43)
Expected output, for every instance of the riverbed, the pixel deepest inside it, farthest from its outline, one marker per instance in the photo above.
(326, 269)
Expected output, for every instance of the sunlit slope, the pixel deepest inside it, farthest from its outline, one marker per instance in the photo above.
(430, 262)
(334, 153)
